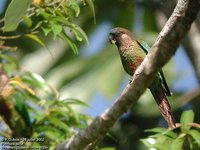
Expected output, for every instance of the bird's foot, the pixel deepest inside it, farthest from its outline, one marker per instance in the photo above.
(130, 80)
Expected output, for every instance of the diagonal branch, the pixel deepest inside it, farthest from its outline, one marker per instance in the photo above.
(163, 49)
(191, 40)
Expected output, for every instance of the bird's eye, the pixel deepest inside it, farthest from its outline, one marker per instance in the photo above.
(112, 38)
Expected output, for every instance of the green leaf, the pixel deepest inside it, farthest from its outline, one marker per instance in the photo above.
(36, 39)
(46, 30)
(186, 117)
(72, 45)
(10, 59)
(74, 5)
(162, 131)
(91, 5)
(58, 20)
(57, 29)
(146, 142)
(44, 14)
(170, 134)
(52, 135)
(156, 130)
(160, 146)
(10, 63)
(79, 33)
(27, 21)
(16, 10)
(50, 132)
(74, 101)
(34, 79)
(196, 135)
(58, 123)
(177, 144)
(21, 108)
(74, 116)
(154, 144)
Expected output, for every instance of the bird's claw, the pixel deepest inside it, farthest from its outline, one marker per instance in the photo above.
(130, 80)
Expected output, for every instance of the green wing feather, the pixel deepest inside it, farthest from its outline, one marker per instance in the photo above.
(167, 90)
(145, 47)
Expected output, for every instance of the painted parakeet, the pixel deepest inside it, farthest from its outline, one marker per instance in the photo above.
(132, 54)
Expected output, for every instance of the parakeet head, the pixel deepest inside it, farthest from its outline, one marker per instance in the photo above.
(120, 36)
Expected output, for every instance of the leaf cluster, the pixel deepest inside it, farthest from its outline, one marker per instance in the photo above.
(31, 108)
(48, 16)
(185, 136)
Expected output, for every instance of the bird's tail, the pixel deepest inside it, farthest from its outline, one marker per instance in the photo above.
(164, 106)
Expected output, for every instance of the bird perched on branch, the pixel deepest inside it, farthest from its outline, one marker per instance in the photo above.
(132, 54)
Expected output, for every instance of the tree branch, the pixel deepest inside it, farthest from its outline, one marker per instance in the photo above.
(162, 50)
(191, 40)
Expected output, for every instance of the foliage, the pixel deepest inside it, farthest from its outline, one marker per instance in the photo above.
(185, 136)
(31, 110)
(50, 16)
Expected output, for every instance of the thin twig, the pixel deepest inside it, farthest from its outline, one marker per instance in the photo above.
(10, 37)
(193, 124)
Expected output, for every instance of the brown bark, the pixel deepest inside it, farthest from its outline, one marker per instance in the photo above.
(191, 41)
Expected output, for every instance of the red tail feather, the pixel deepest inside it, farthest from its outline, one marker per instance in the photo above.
(164, 106)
